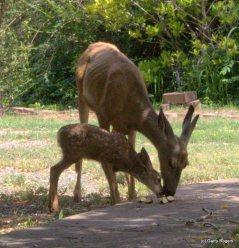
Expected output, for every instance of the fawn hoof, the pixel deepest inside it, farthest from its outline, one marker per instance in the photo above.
(54, 207)
(115, 201)
(145, 199)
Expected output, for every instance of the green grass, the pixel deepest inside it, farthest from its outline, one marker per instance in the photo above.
(213, 148)
(28, 145)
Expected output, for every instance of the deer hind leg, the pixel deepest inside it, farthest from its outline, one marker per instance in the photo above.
(129, 178)
(83, 110)
(55, 173)
(108, 169)
(84, 116)
(111, 178)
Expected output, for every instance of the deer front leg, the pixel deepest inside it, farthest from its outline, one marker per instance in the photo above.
(77, 190)
(109, 173)
(111, 178)
(129, 178)
(84, 117)
(55, 173)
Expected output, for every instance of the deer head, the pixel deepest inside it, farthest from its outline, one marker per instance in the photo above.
(173, 156)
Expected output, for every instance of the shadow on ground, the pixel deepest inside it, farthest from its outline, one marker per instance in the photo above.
(176, 224)
(25, 208)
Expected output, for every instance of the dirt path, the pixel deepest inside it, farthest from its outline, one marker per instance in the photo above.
(177, 224)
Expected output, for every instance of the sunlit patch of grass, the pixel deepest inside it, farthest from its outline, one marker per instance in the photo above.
(30, 159)
(14, 180)
(24, 135)
(34, 123)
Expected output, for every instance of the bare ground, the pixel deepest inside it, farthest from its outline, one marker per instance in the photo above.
(182, 223)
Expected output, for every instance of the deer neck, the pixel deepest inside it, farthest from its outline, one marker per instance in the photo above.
(149, 127)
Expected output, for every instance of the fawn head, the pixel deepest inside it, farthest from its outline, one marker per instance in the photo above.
(174, 156)
(148, 175)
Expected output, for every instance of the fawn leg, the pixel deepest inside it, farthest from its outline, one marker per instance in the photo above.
(129, 178)
(55, 173)
(84, 116)
(111, 178)
(77, 190)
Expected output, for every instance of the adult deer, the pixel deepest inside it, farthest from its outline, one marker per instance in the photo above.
(111, 85)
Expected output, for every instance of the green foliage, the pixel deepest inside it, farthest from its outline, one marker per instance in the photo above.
(178, 45)
(189, 44)
(39, 48)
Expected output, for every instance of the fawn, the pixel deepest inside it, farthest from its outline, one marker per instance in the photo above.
(111, 149)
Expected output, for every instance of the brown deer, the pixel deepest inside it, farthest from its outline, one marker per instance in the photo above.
(112, 150)
(111, 85)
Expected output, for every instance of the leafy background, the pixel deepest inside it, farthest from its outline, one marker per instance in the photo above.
(178, 45)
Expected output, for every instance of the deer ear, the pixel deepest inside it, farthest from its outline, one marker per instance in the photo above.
(188, 125)
(164, 125)
(144, 157)
(161, 123)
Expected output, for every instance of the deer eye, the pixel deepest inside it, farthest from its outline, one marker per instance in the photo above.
(171, 164)
(157, 180)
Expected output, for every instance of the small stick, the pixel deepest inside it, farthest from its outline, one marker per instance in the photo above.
(234, 221)
(208, 224)
(207, 211)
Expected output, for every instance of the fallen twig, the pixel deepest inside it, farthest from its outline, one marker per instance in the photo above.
(205, 217)
(208, 224)
(207, 211)
(234, 221)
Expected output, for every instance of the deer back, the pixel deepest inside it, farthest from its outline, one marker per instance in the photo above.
(112, 86)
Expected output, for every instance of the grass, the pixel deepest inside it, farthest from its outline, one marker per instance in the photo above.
(213, 148)
(28, 147)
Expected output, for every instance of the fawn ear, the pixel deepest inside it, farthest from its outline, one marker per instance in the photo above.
(145, 159)
(164, 125)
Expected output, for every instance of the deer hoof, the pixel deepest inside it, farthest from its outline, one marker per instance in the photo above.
(163, 200)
